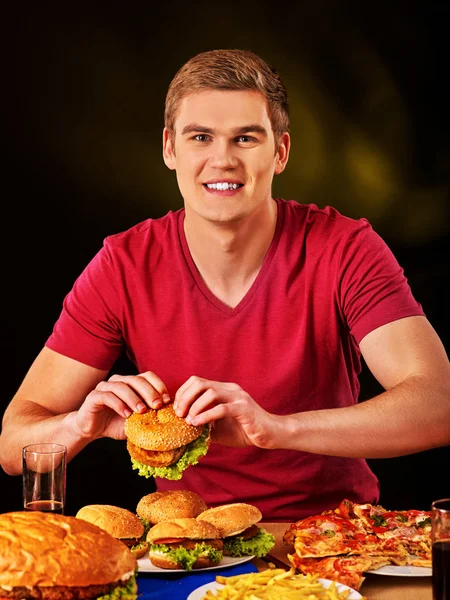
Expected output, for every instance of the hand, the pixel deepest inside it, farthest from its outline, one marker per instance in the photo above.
(237, 420)
(105, 409)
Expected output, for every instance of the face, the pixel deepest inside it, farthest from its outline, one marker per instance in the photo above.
(224, 154)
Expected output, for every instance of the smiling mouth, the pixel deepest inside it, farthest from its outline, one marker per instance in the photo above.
(223, 186)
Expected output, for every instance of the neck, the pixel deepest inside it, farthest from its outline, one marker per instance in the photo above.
(228, 256)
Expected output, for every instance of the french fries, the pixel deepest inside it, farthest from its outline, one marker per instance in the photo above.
(274, 584)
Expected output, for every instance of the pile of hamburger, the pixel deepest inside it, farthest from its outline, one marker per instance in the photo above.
(179, 531)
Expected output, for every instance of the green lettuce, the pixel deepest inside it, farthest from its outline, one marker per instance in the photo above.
(123, 592)
(146, 525)
(194, 451)
(258, 546)
(186, 558)
(138, 546)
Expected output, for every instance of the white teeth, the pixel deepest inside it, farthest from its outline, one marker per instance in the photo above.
(222, 186)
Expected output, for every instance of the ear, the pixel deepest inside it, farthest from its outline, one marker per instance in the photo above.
(168, 150)
(282, 155)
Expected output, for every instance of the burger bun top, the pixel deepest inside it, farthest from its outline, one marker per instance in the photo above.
(189, 528)
(46, 550)
(160, 429)
(118, 522)
(170, 504)
(231, 519)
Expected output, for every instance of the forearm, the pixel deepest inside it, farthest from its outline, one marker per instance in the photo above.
(34, 424)
(411, 417)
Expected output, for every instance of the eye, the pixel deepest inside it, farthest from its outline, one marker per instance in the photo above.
(201, 137)
(245, 139)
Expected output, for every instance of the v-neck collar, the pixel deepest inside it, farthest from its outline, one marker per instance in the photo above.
(259, 278)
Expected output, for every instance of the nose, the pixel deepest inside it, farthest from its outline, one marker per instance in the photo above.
(223, 155)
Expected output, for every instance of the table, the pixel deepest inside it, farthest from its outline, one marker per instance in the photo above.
(375, 587)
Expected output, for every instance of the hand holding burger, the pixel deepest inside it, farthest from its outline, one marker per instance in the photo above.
(164, 445)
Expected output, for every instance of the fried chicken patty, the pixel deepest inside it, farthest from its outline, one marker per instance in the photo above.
(190, 544)
(154, 458)
(246, 534)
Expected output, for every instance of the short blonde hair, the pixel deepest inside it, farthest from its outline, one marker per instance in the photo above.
(230, 70)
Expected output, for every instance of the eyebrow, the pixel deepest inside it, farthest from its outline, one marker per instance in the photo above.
(195, 127)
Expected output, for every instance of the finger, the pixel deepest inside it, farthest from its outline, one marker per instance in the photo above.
(188, 393)
(128, 394)
(158, 385)
(204, 402)
(95, 404)
(112, 401)
(215, 413)
(143, 387)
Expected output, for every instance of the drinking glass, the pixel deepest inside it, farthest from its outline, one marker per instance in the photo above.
(44, 477)
(440, 537)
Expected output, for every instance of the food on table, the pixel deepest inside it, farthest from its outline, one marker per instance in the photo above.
(237, 525)
(49, 556)
(163, 445)
(169, 504)
(274, 583)
(118, 522)
(184, 544)
(343, 543)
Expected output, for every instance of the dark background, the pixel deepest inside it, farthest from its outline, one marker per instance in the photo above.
(84, 91)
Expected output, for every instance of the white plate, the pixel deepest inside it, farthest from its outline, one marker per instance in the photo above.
(145, 566)
(213, 586)
(403, 571)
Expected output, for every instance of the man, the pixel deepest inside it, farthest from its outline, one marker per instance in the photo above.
(251, 312)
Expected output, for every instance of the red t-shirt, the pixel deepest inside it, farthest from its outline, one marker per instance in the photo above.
(291, 343)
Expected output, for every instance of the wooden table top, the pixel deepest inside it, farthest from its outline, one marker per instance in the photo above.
(374, 587)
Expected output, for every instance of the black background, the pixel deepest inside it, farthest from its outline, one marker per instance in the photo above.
(84, 91)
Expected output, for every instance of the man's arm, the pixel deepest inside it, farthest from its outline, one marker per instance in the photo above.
(413, 414)
(64, 401)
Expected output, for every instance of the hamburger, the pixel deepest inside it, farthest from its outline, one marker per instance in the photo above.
(54, 557)
(238, 530)
(170, 504)
(163, 445)
(118, 522)
(184, 544)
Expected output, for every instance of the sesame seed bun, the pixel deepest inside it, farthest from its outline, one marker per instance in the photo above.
(231, 519)
(160, 429)
(192, 529)
(41, 550)
(118, 522)
(170, 504)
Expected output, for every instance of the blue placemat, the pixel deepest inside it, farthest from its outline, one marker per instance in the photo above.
(178, 586)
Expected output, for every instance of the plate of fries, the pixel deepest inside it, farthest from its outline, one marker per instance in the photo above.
(273, 584)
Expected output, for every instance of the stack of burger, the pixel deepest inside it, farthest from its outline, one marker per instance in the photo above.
(163, 445)
(121, 523)
(177, 540)
(50, 557)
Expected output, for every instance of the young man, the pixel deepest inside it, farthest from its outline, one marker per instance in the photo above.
(251, 312)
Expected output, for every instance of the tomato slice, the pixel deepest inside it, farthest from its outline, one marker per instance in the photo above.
(169, 540)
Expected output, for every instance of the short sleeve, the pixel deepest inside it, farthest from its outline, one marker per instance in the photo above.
(89, 326)
(373, 289)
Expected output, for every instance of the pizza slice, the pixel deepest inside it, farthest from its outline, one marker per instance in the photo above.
(327, 534)
(343, 569)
